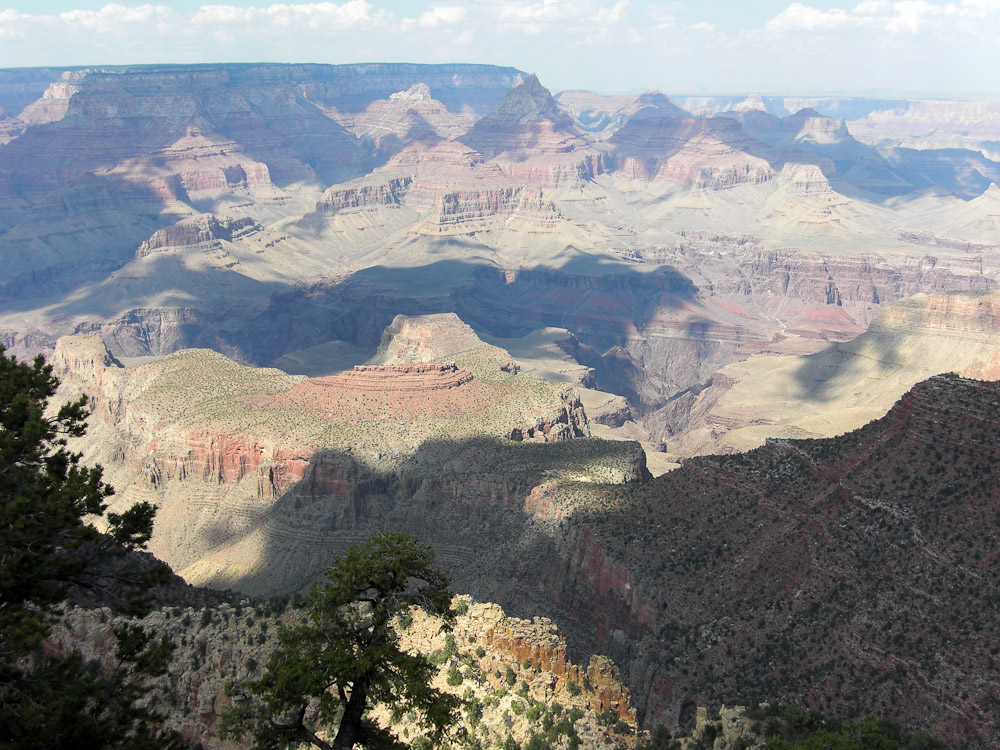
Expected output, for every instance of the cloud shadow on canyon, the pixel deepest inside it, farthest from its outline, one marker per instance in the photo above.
(823, 375)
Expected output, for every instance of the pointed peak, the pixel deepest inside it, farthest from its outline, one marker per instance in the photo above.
(754, 101)
(653, 103)
(529, 101)
(806, 113)
(418, 92)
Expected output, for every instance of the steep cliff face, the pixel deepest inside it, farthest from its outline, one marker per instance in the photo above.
(244, 462)
(388, 193)
(165, 142)
(197, 230)
(822, 556)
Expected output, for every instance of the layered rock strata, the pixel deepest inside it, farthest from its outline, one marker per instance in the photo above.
(711, 154)
(432, 376)
(533, 141)
(816, 394)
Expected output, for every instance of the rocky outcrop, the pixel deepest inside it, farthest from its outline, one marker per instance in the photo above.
(533, 141)
(231, 642)
(480, 209)
(388, 193)
(424, 338)
(10, 128)
(402, 118)
(537, 644)
(712, 154)
(603, 116)
(568, 422)
(54, 103)
(197, 230)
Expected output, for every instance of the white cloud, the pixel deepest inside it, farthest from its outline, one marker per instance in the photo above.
(904, 17)
(556, 16)
(441, 15)
(799, 17)
(911, 15)
(611, 15)
(351, 14)
(602, 44)
(112, 17)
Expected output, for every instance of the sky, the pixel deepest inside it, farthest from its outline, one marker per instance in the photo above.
(932, 48)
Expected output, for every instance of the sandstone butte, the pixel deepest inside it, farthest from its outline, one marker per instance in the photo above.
(223, 448)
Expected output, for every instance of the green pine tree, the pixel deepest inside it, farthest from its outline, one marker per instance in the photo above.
(326, 673)
(46, 548)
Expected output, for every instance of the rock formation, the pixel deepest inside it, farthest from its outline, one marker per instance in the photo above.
(532, 140)
(817, 395)
(197, 230)
(434, 376)
(709, 154)
(404, 117)
(800, 568)
(236, 456)
(603, 116)
(233, 641)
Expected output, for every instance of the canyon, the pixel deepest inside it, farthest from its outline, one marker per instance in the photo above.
(801, 570)
(309, 302)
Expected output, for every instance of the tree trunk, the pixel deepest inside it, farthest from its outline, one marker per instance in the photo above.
(350, 725)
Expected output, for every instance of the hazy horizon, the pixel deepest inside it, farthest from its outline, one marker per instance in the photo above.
(906, 49)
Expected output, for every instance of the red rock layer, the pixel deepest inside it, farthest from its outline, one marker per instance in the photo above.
(429, 376)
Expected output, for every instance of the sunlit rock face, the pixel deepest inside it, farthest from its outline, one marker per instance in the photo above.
(534, 141)
(166, 142)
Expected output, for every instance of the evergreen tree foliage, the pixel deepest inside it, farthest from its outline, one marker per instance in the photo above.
(327, 672)
(46, 547)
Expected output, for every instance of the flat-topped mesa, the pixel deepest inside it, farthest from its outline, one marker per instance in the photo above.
(423, 376)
